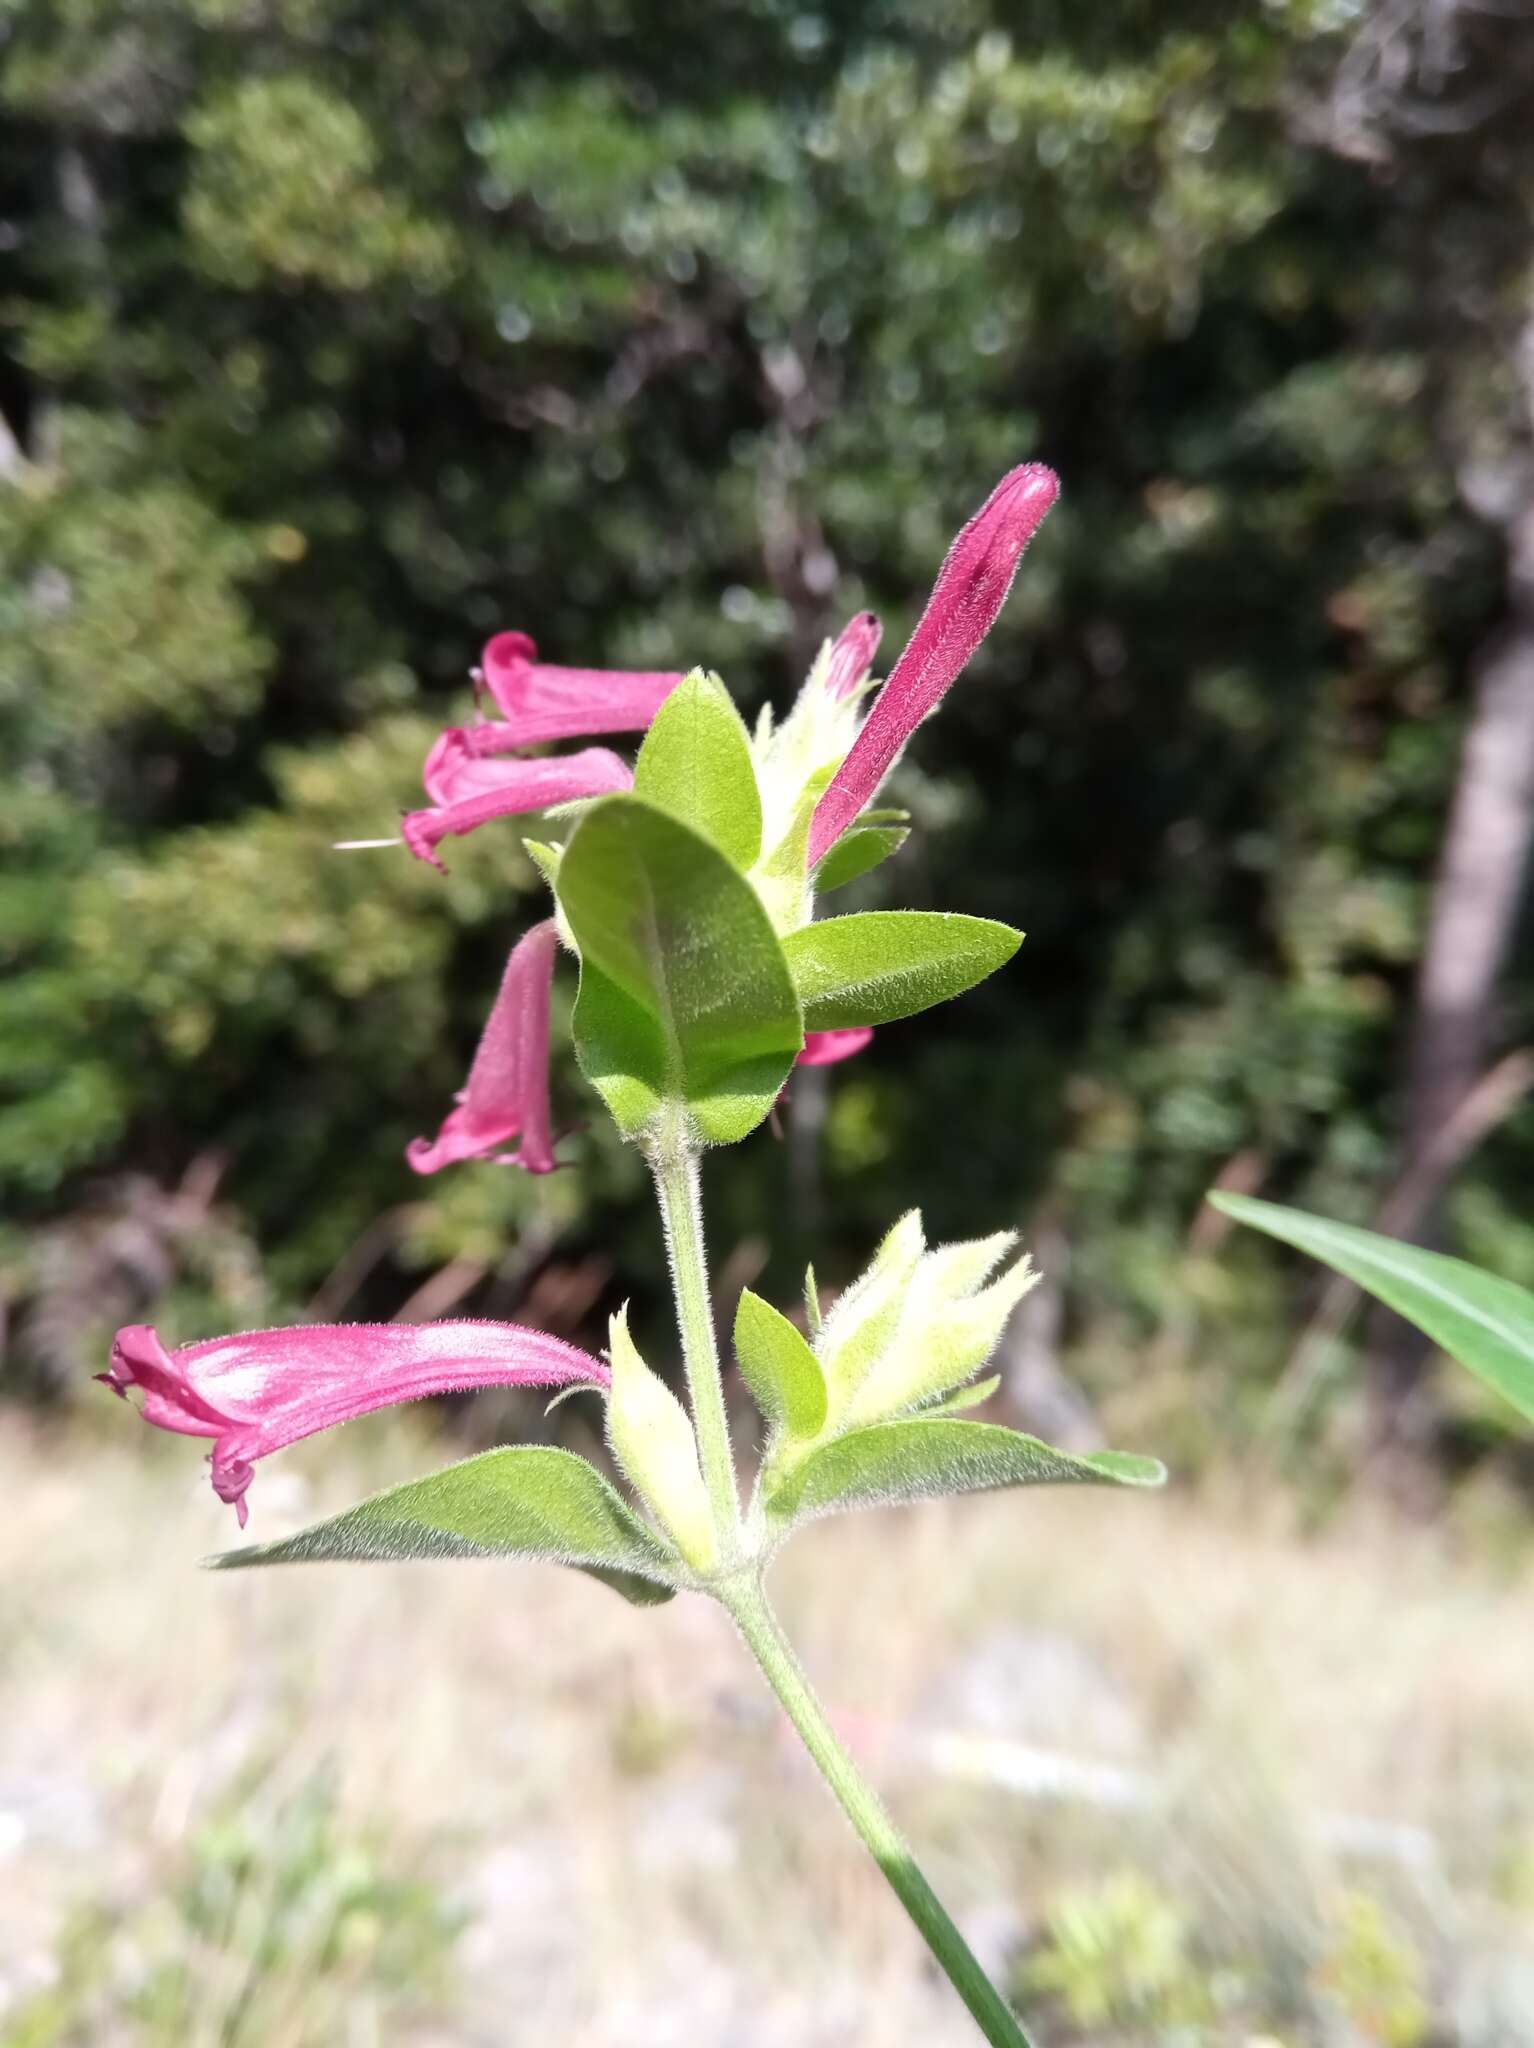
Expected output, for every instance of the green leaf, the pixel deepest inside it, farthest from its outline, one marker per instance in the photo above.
(1484, 1322)
(882, 964)
(526, 1501)
(857, 853)
(545, 859)
(695, 765)
(812, 1314)
(781, 1370)
(918, 1458)
(686, 1009)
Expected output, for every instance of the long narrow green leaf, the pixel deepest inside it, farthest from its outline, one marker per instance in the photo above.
(915, 1459)
(530, 1500)
(1484, 1322)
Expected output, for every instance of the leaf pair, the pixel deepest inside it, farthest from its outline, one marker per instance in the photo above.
(532, 1501)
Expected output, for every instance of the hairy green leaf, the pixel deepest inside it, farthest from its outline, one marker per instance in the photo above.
(857, 853)
(695, 765)
(545, 859)
(1484, 1322)
(917, 1458)
(878, 965)
(812, 1314)
(781, 1370)
(686, 1008)
(526, 1501)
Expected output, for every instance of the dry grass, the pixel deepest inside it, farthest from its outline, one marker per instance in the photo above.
(637, 1853)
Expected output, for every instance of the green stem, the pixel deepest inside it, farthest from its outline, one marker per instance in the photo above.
(677, 1180)
(756, 1621)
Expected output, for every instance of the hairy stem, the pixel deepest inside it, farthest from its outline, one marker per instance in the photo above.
(747, 1602)
(677, 1183)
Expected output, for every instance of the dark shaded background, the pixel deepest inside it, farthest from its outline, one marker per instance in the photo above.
(342, 335)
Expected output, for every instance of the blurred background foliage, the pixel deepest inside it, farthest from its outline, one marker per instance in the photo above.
(343, 334)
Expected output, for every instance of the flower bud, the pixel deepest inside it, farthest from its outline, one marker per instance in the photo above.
(652, 1440)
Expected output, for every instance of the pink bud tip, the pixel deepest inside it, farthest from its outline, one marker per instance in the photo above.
(853, 653)
(971, 588)
(476, 792)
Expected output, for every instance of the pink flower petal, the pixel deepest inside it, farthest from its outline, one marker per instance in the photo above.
(485, 790)
(507, 1093)
(539, 701)
(853, 654)
(970, 590)
(257, 1392)
(826, 1048)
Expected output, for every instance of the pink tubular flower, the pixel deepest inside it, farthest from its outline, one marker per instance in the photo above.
(507, 1093)
(970, 590)
(257, 1392)
(538, 701)
(826, 1048)
(853, 654)
(467, 793)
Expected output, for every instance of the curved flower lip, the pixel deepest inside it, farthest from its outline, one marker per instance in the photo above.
(541, 701)
(257, 1392)
(827, 1048)
(971, 588)
(853, 653)
(479, 791)
(507, 1093)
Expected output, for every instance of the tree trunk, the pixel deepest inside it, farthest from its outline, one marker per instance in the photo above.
(1474, 913)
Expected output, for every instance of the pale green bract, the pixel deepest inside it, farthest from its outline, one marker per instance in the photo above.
(1484, 1322)
(653, 1445)
(975, 1395)
(899, 1348)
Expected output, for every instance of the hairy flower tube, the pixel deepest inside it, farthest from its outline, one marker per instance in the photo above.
(539, 701)
(475, 793)
(852, 654)
(257, 1392)
(506, 1096)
